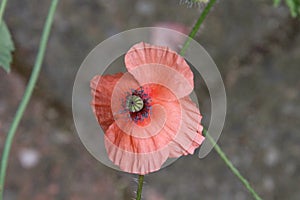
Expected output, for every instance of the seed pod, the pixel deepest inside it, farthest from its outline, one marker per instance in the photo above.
(134, 103)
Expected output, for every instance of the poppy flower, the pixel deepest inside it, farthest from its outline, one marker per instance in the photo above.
(146, 113)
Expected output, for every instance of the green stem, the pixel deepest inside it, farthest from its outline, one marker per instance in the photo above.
(197, 26)
(234, 170)
(140, 187)
(2, 8)
(27, 94)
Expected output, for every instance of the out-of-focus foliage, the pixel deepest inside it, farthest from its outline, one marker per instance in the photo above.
(6, 47)
(294, 6)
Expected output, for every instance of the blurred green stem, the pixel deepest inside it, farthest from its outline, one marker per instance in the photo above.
(2, 8)
(140, 187)
(27, 94)
(197, 26)
(234, 170)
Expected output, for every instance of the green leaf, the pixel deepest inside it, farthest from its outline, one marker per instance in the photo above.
(6, 47)
(293, 5)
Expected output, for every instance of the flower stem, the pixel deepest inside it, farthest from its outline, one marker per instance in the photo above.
(197, 26)
(234, 170)
(27, 94)
(140, 187)
(2, 8)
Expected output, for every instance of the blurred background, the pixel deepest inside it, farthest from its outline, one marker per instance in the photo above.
(257, 50)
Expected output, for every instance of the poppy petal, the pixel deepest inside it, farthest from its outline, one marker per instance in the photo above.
(136, 163)
(190, 134)
(102, 88)
(160, 65)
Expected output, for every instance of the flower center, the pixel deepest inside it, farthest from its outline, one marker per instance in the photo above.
(138, 104)
(134, 103)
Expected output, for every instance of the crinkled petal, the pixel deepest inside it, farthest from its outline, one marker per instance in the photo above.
(101, 89)
(190, 135)
(160, 65)
(136, 163)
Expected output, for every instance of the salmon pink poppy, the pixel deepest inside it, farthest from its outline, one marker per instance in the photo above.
(146, 113)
